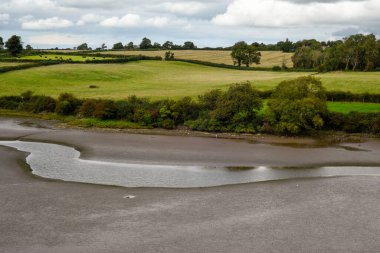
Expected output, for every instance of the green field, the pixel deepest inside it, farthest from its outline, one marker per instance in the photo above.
(356, 82)
(156, 79)
(345, 107)
(268, 58)
(10, 64)
(160, 79)
(75, 58)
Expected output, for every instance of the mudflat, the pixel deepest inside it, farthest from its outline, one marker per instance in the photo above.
(338, 214)
(185, 150)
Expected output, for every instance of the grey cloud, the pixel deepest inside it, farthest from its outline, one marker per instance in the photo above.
(320, 1)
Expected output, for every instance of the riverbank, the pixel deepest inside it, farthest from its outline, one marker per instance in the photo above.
(338, 214)
(153, 148)
(301, 215)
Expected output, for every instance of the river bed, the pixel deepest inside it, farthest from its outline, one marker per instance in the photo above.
(55, 161)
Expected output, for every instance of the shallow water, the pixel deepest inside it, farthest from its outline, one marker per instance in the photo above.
(64, 163)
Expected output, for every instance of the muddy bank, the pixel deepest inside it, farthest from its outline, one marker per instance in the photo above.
(303, 215)
(300, 215)
(199, 151)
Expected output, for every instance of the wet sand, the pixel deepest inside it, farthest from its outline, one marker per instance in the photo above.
(302, 215)
(199, 151)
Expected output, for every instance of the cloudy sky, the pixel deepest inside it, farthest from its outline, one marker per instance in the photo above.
(67, 23)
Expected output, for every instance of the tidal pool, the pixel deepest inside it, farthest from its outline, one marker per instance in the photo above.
(64, 163)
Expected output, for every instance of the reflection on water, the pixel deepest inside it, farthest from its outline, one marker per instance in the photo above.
(62, 162)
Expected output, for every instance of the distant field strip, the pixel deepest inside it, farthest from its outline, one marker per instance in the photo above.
(345, 108)
(10, 64)
(160, 79)
(76, 58)
(268, 58)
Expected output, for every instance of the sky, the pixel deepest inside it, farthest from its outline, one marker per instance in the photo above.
(68, 23)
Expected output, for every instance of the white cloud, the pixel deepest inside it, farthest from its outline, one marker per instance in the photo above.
(90, 18)
(4, 18)
(184, 8)
(280, 13)
(56, 39)
(156, 21)
(29, 23)
(25, 6)
(128, 20)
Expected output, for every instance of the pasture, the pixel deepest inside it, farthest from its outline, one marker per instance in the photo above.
(154, 79)
(74, 58)
(346, 107)
(268, 58)
(10, 64)
(160, 79)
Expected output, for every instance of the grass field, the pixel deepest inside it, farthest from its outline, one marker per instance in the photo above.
(357, 82)
(344, 107)
(160, 79)
(268, 58)
(75, 58)
(10, 64)
(156, 79)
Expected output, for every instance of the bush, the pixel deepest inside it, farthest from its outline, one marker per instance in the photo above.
(10, 102)
(67, 104)
(105, 109)
(297, 106)
(87, 108)
(40, 104)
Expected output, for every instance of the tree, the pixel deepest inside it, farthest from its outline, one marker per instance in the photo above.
(83, 46)
(118, 46)
(1, 43)
(29, 47)
(103, 46)
(130, 45)
(297, 106)
(286, 46)
(305, 57)
(169, 55)
(145, 43)
(157, 45)
(14, 45)
(189, 45)
(242, 53)
(167, 45)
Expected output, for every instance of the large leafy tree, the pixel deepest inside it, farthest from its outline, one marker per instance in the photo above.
(306, 57)
(130, 45)
(297, 106)
(83, 46)
(145, 43)
(189, 45)
(168, 45)
(118, 46)
(14, 45)
(242, 53)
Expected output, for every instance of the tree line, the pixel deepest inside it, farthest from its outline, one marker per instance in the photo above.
(357, 53)
(145, 44)
(296, 106)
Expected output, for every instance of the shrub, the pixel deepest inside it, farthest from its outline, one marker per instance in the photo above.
(87, 108)
(10, 102)
(42, 104)
(105, 109)
(297, 106)
(67, 104)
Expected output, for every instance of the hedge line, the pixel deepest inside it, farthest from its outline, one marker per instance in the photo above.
(339, 96)
(27, 66)
(170, 114)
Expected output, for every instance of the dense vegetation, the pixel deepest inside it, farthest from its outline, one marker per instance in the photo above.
(295, 107)
(357, 52)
